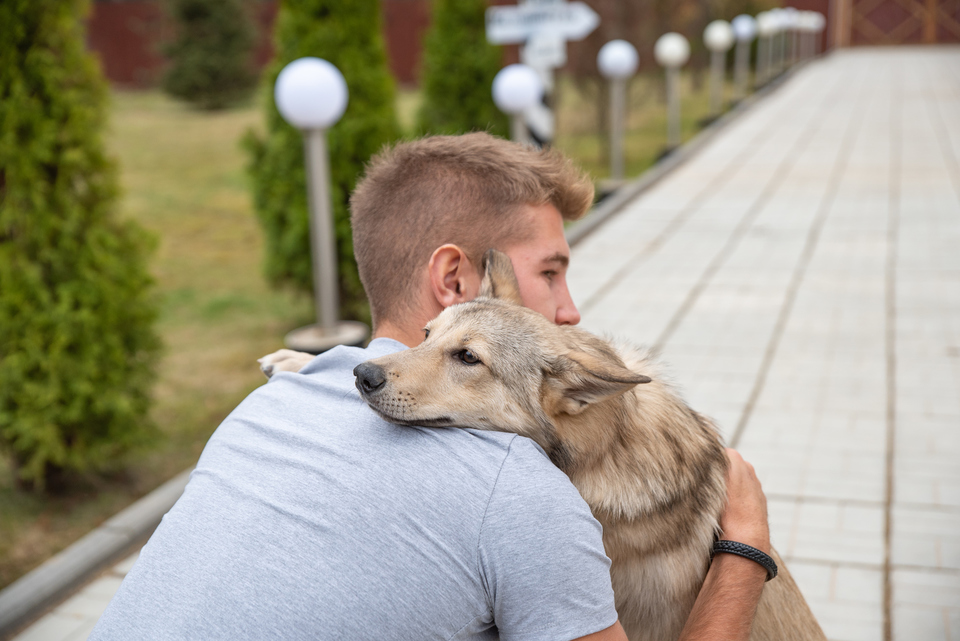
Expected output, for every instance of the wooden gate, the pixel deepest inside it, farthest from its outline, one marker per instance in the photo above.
(895, 22)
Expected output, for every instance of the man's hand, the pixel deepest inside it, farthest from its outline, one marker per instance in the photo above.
(745, 517)
(731, 591)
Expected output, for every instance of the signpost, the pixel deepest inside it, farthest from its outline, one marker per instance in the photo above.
(543, 28)
(515, 24)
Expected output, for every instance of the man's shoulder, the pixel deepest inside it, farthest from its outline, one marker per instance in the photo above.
(347, 357)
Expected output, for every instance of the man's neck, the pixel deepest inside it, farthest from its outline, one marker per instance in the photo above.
(406, 335)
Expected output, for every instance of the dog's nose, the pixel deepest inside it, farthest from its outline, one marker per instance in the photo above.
(370, 377)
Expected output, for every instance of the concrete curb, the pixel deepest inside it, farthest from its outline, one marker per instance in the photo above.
(27, 597)
(615, 202)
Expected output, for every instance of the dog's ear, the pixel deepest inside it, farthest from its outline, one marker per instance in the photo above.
(583, 379)
(499, 281)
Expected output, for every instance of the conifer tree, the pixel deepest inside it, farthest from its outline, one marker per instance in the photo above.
(347, 34)
(77, 347)
(211, 65)
(458, 70)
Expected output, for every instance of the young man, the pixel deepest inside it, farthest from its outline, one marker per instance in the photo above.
(309, 517)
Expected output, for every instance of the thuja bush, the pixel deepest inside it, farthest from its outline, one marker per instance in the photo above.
(77, 348)
(347, 34)
(210, 58)
(458, 70)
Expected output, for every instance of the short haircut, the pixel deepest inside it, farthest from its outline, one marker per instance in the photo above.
(463, 190)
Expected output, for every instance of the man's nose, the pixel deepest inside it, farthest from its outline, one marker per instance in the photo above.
(370, 377)
(567, 312)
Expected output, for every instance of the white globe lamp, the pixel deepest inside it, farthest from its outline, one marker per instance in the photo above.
(618, 59)
(671, 50)
(766, 24)
(517, 88)
(718, 36)
(311, 95)
(744, 28)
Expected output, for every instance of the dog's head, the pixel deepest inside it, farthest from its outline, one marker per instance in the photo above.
(493, 364)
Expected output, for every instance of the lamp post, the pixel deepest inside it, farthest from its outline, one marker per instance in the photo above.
(745, 30)
(805, 27)
(718, 36)
(617, 61)
(791, 20)
(311, 95)
(777, 39)
(517, 88)
(672, 52)
(764, 46)
(817, 23)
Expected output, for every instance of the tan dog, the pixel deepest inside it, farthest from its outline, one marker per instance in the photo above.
(651, 469)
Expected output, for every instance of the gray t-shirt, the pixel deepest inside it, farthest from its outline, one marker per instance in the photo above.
(308, 517)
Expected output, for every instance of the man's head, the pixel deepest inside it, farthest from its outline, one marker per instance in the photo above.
(427, 210)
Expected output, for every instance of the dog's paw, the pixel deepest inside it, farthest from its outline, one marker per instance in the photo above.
(284, 360)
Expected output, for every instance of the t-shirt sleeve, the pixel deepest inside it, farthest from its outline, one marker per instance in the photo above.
(541, 553)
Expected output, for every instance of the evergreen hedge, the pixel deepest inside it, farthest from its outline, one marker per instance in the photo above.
(347, 34)
(211, 56)
(458, 70)
(77, 347)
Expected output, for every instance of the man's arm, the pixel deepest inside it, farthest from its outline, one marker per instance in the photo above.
(727, 602)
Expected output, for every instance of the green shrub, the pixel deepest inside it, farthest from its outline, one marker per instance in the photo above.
(210, 58)
(458, 70)
(347, 34)
(77, 347)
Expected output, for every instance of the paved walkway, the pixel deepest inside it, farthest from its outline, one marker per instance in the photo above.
(801, 275)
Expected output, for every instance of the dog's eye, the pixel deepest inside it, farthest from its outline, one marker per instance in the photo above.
(469, 357)
(426, 333)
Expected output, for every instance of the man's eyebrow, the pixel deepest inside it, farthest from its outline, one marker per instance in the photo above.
(563, 259)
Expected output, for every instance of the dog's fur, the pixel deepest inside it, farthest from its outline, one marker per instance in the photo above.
(651, 469)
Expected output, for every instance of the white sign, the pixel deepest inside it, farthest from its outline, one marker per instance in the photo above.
(511, 24)
(544, 52)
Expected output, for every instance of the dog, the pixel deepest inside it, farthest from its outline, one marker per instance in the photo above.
(652, 470)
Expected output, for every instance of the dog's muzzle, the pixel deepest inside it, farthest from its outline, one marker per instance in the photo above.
(370, 378)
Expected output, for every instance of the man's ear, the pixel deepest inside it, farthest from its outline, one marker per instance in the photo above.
(453, 278)
(583, 379)
(499, 280)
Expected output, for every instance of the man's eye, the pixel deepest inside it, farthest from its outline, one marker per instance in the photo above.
(549, 274)
(469, 357)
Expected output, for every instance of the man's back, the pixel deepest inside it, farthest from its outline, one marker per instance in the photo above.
(309, 517)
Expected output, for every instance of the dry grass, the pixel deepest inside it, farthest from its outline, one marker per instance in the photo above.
(183, 179)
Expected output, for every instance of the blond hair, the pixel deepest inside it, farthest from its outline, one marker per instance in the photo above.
(462, 190)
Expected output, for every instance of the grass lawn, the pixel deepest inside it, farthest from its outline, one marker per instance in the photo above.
(183, 178)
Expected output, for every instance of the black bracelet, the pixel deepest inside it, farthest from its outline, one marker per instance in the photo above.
(747, 552)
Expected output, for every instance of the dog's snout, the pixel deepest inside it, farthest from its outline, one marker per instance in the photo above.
(370, 377)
